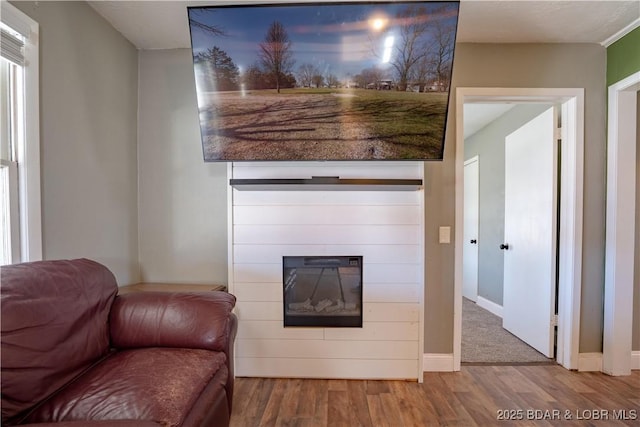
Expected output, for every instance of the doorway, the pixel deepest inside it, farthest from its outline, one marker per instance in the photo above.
(510, 211)
(570, 219)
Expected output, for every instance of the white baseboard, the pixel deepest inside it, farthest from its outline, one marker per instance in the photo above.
(437, 362)
(489, 306)
(590, 362)
(635, 360)
(587, 362)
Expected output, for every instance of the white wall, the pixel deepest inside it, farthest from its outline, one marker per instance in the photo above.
(383, 226)
(89, 104)
(182, 199)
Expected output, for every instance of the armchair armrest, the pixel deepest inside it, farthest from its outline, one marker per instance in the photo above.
(107, 423)
(173, 319)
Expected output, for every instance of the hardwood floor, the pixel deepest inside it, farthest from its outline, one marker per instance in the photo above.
(475, 396)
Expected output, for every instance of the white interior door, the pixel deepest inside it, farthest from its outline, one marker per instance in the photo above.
(530, 232)
(471, 221)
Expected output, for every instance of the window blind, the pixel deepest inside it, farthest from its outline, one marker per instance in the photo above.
(11, 47)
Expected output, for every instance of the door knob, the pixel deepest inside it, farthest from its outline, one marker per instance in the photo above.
(473, 241)
(504, 246)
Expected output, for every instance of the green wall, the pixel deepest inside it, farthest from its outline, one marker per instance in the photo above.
(623, 57)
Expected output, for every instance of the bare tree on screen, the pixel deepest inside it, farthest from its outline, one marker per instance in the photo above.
(275, 52)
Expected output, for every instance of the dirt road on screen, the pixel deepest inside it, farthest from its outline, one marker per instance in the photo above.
(290, 127)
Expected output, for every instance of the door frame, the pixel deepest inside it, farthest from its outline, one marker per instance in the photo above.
(619, 242)
(571, 208)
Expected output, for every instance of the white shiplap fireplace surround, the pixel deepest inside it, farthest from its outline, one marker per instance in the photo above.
(383, 224)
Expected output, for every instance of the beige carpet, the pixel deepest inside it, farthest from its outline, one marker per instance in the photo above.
(485, 341)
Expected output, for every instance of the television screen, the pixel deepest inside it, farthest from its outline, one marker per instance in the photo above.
(323, 81)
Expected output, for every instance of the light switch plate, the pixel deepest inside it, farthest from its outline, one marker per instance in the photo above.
(445, 235)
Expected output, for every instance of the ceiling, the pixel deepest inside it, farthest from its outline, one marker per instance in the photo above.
(152, 24)
(477, 116)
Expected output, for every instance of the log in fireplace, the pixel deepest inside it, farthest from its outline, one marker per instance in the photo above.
(323, 291)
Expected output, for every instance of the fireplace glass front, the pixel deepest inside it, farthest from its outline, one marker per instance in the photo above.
(323, 291)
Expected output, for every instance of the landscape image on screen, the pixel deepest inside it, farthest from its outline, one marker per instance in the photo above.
(323, 81)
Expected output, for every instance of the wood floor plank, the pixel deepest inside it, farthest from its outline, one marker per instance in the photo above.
(378, 417)
(617, 386)
(307, 422)
(339, 385)
(481, 405)
(414, 405)
(561, 386)
(481, 409)
(243, 391)
(503, 394)
(338, 413)
(274, 403)
(358, 403)
(322, 402)
(475, 396)
(377, 387)
(289, 407)
(258, 401)
(517, 392)
(515, 382)
(449, 409)
(391, 407)
(535, 398)
(575, 383)
(308, 398)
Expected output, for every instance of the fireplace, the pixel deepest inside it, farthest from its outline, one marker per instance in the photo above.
(323, 291)
(281, 237)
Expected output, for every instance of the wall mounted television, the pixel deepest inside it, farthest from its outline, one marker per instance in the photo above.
(323, 80)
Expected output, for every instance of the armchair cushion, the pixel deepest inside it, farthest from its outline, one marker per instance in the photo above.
(150, 384)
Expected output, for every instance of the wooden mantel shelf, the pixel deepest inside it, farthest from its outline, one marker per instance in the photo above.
(168, 287)
(326, 183)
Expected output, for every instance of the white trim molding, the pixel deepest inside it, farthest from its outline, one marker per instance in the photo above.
(438, 362)
(490, 306)
(620, 34)
(571, 208)
(635, 360)
(590, 362)
(28, 152)
(619, 242)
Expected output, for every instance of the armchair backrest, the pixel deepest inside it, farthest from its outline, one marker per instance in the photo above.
(172, 319)
(54, 324)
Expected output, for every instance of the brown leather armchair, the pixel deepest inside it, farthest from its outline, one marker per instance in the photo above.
(75, 354)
